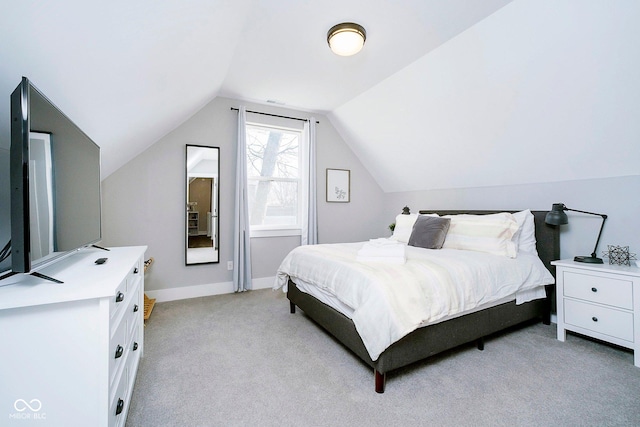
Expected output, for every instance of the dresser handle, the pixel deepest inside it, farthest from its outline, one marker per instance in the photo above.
(120, 297)
(119, 351)
(119, 406)
(135, 270)
(594, 289)
(135, 346)
(594, 318)
(135, 308)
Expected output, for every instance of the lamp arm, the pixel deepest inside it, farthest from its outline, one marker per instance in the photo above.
(604, 218)
(585, 212)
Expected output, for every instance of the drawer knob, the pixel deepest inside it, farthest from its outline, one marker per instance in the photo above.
(135, 308)
(135, 270)
(120, 297)
(119, 351)
(594, 289)
(594, 318)
(135, 346)
(119, 406)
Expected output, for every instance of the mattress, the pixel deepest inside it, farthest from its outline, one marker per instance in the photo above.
(333, 302)
(387, 301)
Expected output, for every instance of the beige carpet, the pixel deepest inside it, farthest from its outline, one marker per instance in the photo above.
(243, 360)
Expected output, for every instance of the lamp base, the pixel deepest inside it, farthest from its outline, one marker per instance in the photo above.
(588, 259)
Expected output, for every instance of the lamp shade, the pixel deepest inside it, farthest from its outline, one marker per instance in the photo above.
(556, 215)
(346, 39)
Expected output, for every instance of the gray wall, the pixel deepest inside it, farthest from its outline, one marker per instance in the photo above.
(143, 202)
(616, 197)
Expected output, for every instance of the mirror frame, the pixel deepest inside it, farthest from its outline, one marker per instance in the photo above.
(216, 194)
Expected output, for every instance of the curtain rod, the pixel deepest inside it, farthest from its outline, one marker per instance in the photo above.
(275, 115)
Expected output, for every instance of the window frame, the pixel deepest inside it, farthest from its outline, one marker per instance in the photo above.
(283, 230)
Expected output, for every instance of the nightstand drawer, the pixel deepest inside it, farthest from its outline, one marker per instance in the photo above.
(599, 319)
(599, 289)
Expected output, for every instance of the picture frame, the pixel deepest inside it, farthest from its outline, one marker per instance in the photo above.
(338, 185)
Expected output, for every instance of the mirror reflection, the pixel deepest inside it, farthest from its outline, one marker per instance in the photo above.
(202, 172)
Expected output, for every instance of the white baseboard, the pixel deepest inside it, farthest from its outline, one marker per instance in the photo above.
(196, 291)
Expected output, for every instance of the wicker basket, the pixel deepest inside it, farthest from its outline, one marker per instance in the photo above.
(148, 302)
(148, 306)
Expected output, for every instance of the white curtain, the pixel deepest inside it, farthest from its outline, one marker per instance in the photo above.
(310, 219)
(241, 238)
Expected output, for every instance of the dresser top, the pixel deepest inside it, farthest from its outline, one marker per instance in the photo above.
(603, 268)
(82, 277)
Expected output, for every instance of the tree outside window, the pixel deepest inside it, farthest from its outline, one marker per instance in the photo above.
(273, 177)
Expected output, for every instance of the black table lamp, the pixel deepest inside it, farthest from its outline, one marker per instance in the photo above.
(557, 217)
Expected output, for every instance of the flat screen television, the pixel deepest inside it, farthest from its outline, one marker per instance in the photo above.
(55, 182)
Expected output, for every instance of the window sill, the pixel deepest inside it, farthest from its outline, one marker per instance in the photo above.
(276, 233)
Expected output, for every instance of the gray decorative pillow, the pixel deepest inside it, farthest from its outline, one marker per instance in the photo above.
(429, 232)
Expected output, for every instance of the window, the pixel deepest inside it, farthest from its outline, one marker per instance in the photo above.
(275, 180)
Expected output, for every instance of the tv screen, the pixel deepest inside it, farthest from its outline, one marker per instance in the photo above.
(55, 182)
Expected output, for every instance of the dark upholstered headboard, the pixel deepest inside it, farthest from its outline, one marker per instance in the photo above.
(547, 236)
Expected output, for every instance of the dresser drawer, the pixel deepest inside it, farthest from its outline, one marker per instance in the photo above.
(135, 348)
(135, 274)
(118, 348)
(118, 402)
(599, 289)
(133, 310)
(607, 321)
(117, 302)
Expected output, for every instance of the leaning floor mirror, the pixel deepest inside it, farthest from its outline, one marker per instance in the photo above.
(201, 215)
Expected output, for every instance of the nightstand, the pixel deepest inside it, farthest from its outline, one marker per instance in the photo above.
(601, 301)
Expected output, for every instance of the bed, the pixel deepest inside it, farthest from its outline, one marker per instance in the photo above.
(431, 339)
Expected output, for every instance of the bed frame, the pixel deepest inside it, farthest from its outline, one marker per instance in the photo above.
(430, 340)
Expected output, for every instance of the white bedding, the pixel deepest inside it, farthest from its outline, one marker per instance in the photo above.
(388, 300)
(328, 299)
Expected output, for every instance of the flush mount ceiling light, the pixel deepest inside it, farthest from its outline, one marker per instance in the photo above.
(346, 39)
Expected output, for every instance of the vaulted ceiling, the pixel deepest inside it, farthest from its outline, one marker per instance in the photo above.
(445, 93)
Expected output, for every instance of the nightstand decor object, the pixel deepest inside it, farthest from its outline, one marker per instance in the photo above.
(619, 255)
(557, 217)
(599, 301)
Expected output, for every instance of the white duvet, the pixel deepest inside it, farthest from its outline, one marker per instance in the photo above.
(390, 300)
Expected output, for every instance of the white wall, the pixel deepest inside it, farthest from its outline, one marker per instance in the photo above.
(615, 197)
(143, 202)
(540, 91)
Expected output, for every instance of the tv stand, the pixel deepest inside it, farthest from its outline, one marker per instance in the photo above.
(75, 348)
(100, 247)
(45, 277)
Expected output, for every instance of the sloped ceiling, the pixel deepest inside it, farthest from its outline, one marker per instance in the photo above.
(540, 91)
(445, 94)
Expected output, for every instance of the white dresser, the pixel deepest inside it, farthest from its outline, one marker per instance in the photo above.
(601, 301)
(71, 350)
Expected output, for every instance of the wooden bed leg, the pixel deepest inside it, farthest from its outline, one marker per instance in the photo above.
(480, 343)
(380, 380)
(292, 307)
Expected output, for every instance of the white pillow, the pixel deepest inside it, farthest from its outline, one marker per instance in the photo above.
(525, 237)
(404, 227)
(483, 233)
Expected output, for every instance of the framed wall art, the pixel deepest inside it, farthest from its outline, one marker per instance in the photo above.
(338, 185)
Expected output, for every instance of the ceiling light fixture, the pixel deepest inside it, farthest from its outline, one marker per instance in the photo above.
(346, 39)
